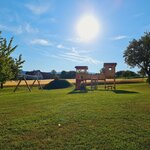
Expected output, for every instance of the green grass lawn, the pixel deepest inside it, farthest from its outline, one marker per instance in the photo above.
(96, 120)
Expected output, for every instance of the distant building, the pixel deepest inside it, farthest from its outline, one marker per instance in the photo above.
(37, 73)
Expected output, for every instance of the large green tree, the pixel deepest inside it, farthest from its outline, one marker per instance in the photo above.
(9, 67)
(138, 54)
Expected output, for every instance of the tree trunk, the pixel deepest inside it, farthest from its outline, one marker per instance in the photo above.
(1, 85)
(149, 78)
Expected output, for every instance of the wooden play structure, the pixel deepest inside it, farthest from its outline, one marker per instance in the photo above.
(107, 76)
(24, 78)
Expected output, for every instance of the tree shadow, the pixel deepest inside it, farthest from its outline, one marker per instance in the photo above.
(86, 91)
(124, 92)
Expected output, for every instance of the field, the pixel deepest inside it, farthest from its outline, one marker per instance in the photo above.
(68, 120)
(43, 82)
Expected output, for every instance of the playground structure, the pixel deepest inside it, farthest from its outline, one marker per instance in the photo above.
(107, 75)
(25, 77)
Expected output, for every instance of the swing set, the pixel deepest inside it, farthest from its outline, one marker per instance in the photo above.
(24, 78)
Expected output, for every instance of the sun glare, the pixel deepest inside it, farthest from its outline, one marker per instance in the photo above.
(88, 28)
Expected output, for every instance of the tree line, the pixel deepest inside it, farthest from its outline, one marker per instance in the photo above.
(71, 74)
(53, 74)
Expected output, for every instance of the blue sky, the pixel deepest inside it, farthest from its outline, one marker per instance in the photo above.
(45, 31)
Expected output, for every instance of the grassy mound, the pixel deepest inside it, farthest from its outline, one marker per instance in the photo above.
(57, 84)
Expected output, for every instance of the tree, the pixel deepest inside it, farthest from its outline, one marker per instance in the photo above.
(142, 73)
(138, 54)
(126, 74)
(67, 74)
(54, 73)
(63, 74)
(102, 70)
(9, 67)
(129, 74)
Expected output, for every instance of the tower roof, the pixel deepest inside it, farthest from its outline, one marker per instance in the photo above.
(110, 64)
(81, 67)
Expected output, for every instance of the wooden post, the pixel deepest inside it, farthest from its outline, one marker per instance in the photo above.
(17, 86)
(33, 83)
(20, 82)
(27, 84)
(114, 83)
(39, 84)
(105, 83)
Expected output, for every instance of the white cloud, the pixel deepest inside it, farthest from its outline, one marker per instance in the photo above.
(38, 9)
(74, 40)
(72, 54)
(41, 42)
(60, 46)
(19, 29)
(120, 37)
(29, 29)
(75, 56)
(15, 30)
(3, 27)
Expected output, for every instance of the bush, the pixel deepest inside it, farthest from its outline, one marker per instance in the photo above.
(57, 84)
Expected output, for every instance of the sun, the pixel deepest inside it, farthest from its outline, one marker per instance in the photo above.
(88, 28)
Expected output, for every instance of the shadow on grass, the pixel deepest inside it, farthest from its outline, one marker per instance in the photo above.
(78, 92)
(86, 91)
(124, 92)
(99, 89)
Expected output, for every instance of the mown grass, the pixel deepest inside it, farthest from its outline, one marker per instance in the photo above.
(94, 120)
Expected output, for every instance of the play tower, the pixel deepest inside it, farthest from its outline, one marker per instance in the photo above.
(109, 75)
(81, 76)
